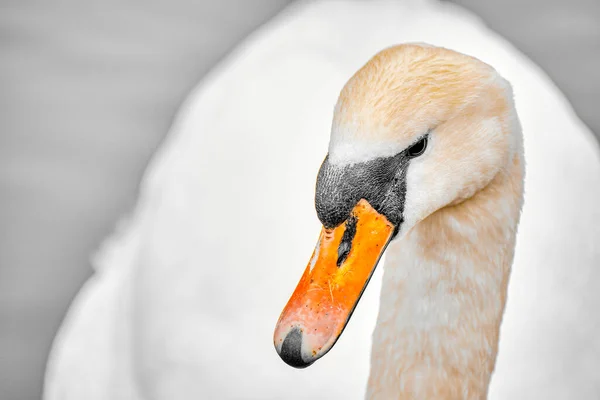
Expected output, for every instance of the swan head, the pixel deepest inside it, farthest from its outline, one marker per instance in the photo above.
(417, 129)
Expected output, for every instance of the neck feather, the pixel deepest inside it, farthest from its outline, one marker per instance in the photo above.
(443, 296)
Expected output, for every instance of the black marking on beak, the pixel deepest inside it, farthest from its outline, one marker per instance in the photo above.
(291, 349)
(381, 181)
(347, 238)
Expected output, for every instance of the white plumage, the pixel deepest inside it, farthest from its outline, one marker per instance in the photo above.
(187, 293)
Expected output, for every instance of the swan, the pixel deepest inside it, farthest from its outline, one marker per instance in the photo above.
(187, 291)
(426, 149)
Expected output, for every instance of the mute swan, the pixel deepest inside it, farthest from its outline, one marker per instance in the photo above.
(425, 148)
(186, 294)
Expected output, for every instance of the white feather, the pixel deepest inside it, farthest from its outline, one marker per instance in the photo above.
(184, 303)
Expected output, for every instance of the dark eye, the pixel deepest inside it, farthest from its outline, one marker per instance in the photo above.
(418, 148)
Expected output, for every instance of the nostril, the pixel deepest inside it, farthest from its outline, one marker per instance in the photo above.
(291, 349)
(347, 238)
(343, 251)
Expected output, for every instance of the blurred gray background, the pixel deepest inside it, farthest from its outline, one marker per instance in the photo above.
(88, 89)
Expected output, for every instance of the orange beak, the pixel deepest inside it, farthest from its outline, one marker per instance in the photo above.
(331, 286)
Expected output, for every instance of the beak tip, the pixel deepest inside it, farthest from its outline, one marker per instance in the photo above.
(291, 350)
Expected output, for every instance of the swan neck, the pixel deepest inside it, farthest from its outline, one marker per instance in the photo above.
(443, 296)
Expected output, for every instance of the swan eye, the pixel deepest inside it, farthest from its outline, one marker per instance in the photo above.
(418, 148)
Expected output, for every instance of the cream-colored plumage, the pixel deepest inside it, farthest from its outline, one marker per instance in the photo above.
(186, 296)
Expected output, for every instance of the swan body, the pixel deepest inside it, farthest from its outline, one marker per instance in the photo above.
(186, 293)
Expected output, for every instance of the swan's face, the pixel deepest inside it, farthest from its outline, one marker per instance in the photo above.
(416, 129)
